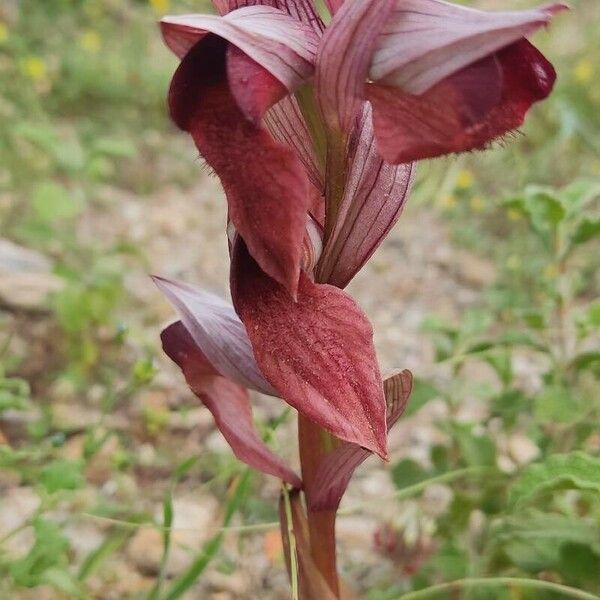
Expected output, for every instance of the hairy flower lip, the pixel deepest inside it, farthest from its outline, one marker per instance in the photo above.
(408, 47)
(255, 170)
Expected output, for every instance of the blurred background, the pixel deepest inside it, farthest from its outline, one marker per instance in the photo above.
(113, 481)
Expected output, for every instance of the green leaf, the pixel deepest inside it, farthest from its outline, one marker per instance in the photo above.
(51, 202)
(533, 540)
(555, 404)
(579, 193)
(585, 231)
(545, 209)
(474, 322)
(48, 551)
(115, 147)
(501, 362)
(451, 561)
(479, 347)
(518, 338)
(476, 450)
(550, 526)
(510, 405)
(532, 555)
(62, 474)
(184, 467)
(97, 556)
(408, 472)
(592, 314)
(579, 565)
(587, 360)
(14, 393)
(576, 470)
(42, 135)
(144, 371)
(422, 393)
(61, 579)
(535, 319)
(69, 154)
(435, 324)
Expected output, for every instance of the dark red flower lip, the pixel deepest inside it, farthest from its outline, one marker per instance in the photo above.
(317, 351)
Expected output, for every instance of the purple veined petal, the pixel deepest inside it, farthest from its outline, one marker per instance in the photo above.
(227, 401)
(283, 46)
(337, 468)
(286, 124)
(425, 41)
(344, 59)
(333, 5)
(312, 248)
(302, 10)
(374, 197)
(218, 333)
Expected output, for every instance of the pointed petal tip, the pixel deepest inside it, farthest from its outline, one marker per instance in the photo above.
(162, 283)
(383, 452)
(556, 7)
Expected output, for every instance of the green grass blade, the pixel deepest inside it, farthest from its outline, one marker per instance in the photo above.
(97, 556)
(444, 590)
(210, 549)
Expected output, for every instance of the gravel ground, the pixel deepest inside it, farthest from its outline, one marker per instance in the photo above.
(416, 272)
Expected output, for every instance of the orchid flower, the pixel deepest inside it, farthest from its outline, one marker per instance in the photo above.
(313, 130)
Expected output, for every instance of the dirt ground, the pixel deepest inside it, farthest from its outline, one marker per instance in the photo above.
(180, 233)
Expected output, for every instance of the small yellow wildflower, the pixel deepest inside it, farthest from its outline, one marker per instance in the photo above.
(584, 70)
(160, 7)
(3, 32)
(464, 180)
(34, 67)
(513, 263)
(550, 271)
(477, 204)
(90, 40)
(448, 201)
(514, 214)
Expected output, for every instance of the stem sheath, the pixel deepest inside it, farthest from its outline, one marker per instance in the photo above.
(314, 444)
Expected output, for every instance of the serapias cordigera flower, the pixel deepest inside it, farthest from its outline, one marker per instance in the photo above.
(313, 130)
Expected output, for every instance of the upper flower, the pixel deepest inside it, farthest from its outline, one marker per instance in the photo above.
(313, 131)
